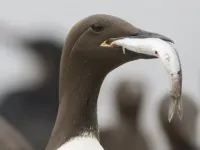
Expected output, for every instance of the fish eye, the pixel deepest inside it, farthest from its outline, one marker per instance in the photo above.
(97, 27)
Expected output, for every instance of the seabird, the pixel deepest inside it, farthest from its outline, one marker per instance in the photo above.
(84, 65)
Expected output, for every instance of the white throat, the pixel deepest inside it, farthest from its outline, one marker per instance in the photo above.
(83, 142)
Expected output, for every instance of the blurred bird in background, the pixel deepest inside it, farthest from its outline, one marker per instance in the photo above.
(32, 112)
(129, 96)
(181, 134)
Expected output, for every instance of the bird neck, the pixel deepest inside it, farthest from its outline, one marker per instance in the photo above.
(80, 83)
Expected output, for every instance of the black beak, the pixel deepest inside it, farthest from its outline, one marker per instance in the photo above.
(143, 34)
(146, 34)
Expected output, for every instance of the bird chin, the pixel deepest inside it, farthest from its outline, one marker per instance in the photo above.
(145, 56)
(140, 55)
(137, 55)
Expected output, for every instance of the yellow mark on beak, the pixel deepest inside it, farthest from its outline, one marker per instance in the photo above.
(105, 44)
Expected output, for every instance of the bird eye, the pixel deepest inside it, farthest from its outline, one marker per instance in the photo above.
(97, 27)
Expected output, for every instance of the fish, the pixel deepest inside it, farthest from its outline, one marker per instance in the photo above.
(167, 53)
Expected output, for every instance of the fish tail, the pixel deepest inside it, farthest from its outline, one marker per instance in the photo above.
(175, 106)
(172, 107)
(180, 108)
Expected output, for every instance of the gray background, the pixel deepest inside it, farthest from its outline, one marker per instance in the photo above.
(178, 19)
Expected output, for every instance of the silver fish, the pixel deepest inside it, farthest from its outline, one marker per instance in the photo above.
(169, 58)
